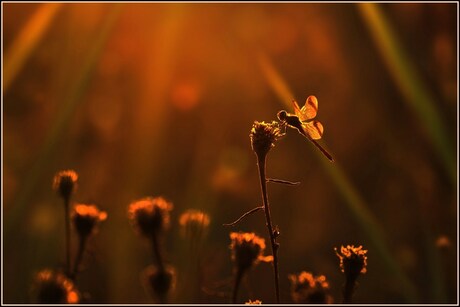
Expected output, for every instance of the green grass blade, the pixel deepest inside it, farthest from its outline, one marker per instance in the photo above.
(30, 35)
(64, 115)
(414, 91)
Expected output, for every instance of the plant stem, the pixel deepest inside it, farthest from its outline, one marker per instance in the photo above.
(157, 253)
(238, 277)
(81, 250)
(261, 161)
(348, 291)
(67, 235)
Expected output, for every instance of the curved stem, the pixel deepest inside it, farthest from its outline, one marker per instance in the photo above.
(81, 250)
(244, 215)
(263, 184)
(238, 277)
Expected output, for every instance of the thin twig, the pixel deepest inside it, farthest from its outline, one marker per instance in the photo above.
(244, 215)
(282, 181)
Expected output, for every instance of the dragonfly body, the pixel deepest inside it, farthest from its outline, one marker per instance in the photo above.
(292, 121)
(303, 122)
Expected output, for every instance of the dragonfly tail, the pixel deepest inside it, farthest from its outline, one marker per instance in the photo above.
(328, 155)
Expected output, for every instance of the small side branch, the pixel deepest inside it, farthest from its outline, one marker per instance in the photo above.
(244, 215)
(282, 181)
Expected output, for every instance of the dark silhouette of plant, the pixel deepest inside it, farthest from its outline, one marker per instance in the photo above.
(150, 217)
(50, 287)
(353, 262)
(159, 281)
(263, 137)
(85, 219)
(253, 302)
(309, 289)
(194, 225)
(247, 250)
(65, 184)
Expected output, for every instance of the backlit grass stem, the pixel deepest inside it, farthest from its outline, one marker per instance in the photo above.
(261, 161)
(68, 237)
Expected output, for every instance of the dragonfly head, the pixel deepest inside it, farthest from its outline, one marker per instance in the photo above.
(282, 115)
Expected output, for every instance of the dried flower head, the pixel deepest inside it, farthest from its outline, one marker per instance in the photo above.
(160, 282)
(353, 261)
(194, 224)
(263, 137)
(309, 289)
(254, 302)
(150, 215)
(85, 218)
(65, 182)
(54, 288)
(247, 249)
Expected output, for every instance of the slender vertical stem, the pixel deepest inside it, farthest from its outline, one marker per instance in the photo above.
(67, 235)
(81, 250)
(348, 291)
(157, 253)
(238, 277)
(263, 184)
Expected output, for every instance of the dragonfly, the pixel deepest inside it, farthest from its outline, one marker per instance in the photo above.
(303, 121)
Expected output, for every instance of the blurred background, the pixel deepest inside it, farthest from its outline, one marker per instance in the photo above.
(155, 99)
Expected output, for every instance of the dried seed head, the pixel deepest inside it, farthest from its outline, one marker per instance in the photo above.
(150, 215)
(54, 288)
(65, 183)
(254, 302)
(263, 137)
(247, 249)
(309, 289)
(160, 282)
(86, 217)
(194, 224)
(353, 261)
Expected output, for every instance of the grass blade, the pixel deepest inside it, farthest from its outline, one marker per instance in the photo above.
(59, 126)
(21, 48)
(405, 76)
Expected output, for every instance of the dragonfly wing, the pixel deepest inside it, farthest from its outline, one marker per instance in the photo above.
(314, 129)
(314, 133)
(297, 109)
(310, 108)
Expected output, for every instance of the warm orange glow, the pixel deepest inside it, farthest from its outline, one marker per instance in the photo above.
(65, 183)
(310, 280)
(186, 94)
(90, 211)
(307, 288)
(247, 249)
(253, 302)
(72, 297)
(69, 176)
(54, 287)
(143, 98)
(150, 215)
(353, 258)
(194, 216)
(17, 54)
